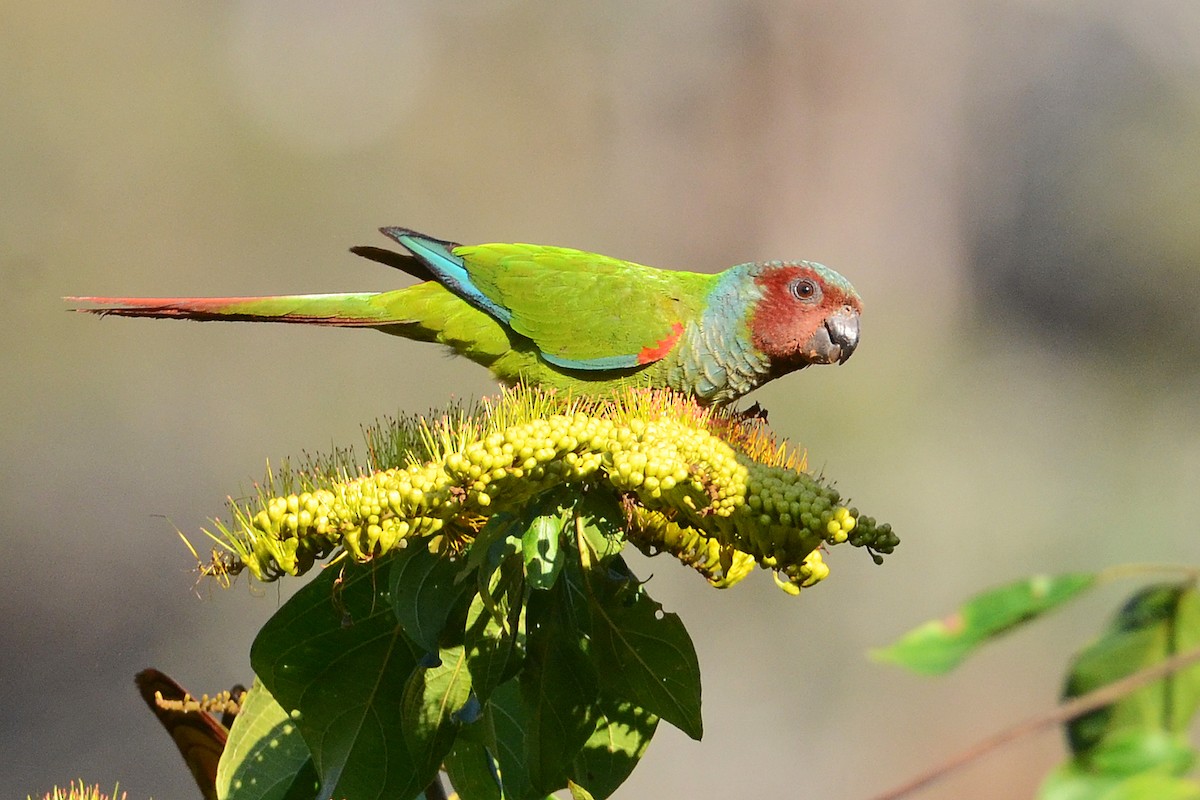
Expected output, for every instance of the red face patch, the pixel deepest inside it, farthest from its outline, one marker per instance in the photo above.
(795, 304)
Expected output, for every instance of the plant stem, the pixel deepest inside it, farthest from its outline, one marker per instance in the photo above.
(1122, 571)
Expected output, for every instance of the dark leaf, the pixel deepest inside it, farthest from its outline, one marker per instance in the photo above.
(199, 736)
(497, 539)
(495, 629)
(558, 687)
(643, 654)
(425, 590)
(336, 659)
(472, 771)
(433, 699)
(506, 720)
(1157, 622)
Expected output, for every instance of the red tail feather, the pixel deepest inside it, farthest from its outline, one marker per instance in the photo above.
(187, 307)
(342, 310)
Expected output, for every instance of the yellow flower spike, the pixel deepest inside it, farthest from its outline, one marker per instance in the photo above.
(712, 488)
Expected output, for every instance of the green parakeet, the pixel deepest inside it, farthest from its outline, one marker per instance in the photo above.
(579, 321)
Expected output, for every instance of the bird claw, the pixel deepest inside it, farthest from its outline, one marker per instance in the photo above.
(755, 411)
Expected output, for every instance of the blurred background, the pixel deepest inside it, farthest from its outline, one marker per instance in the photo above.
(1013, 187)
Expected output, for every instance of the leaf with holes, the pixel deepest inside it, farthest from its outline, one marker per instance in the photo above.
(643, 654)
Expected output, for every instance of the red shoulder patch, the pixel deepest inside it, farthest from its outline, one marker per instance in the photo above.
(662, 347)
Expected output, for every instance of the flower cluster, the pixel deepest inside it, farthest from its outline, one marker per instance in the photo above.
(709, 487)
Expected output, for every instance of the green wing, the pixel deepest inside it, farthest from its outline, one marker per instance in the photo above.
(584, 310)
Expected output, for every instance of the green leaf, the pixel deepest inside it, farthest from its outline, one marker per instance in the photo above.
(433, 699)
(542, 549)
(336, 659)
(472, 771)
(495, 629)
(1157, 622)
(1152, 786)
(1109, 767)
(265, 757)
(496, 541)
(1071, 782)
(578, 792)
(558, 688)
(603, 524)
(623, 732)
(1074, 782)
(939, 646)
(1135, 750)
(643, 654)
(506, 719)
(425, 590)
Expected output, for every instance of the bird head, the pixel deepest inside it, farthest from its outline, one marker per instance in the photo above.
(808, 314)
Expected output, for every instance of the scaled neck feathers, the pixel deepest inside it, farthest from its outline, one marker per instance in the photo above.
(716, 359)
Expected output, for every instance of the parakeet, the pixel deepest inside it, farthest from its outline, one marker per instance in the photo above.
(573, 320)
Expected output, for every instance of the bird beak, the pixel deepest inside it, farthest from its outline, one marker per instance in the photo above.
(835, 340)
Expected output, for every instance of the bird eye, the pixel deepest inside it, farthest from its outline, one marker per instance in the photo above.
(804, 289)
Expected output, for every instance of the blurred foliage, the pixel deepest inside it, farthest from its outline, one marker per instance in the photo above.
(1131, 739)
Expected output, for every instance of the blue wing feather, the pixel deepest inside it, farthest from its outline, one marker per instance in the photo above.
(605, 362)
(450, 270)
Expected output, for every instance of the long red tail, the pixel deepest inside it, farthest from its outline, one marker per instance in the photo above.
(363, 309)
